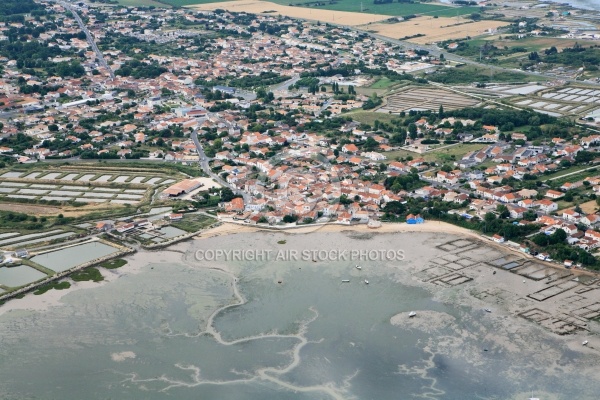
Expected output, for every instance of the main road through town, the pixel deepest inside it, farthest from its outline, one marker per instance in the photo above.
(203, 161)
(88, 35)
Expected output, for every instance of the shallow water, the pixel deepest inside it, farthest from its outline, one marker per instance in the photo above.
(62, 260)
(311, 336)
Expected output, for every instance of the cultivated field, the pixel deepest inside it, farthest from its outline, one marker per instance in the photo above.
(259, 7)
(425, 99)
(435, 29)
(394, 9)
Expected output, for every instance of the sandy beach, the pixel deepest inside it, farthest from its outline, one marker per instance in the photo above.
(228, 228)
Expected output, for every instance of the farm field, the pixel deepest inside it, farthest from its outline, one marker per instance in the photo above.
(434, 29)
(425, 99)
(395, 9)
(317, 14)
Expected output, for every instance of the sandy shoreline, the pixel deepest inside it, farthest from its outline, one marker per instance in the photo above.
(229, 228)
(137, 261)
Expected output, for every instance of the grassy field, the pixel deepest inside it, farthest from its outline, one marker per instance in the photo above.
(382, 83)
(589, 207)
(396, 9)
(145, 3)
(182, 3)
(538, 44)
(442, 156)
(193, 223)
(166, 3)
(369, 117)
(570, 178)
(472, 73)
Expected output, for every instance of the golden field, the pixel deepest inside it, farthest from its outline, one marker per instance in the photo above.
(259, 7)
(434, 29)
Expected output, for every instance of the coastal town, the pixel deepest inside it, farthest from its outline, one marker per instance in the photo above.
(278, 122)
(267, 199)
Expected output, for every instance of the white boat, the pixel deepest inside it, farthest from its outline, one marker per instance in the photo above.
(488, 310)
(584, 343)
(412, 314)
(366, 281)
(358, 267)
(345, 280)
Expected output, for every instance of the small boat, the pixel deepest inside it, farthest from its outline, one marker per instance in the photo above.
(412, 314)
(584, 343)
(345, 280)
(358, 267)
(366, 281)
(488, 310)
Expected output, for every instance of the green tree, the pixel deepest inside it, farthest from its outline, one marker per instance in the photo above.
(227, 194)
(412, 131)
(288, 219)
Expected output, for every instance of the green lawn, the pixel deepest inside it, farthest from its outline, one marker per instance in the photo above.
(396, 9)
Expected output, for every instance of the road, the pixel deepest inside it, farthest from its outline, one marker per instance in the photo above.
(90, 38)
(203, 161)
(573, 173)
(436, 51)
(284, 85)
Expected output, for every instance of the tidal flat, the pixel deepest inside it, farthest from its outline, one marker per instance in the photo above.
(170, 323)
